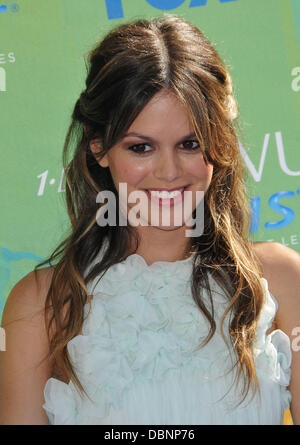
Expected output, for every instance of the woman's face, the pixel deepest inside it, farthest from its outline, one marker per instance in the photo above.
(159, 151)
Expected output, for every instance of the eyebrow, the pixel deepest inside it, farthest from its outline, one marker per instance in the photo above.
(148, 138)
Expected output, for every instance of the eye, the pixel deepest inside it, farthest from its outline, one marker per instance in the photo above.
(191, 145)
(139, 148)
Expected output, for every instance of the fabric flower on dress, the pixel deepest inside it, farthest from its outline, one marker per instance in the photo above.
(273, 351)
(143, 326)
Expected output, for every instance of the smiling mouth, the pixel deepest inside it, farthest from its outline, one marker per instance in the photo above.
(165, 198)
(166, 195)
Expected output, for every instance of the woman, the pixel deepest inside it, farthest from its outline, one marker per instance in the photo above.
(147, 322)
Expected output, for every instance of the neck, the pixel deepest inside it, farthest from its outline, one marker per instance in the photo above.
(163, 245)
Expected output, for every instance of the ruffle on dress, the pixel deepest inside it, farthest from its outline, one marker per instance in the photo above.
(273, 354)
(143, 326)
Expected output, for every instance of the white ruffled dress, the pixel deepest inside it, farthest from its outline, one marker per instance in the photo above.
(138, 362)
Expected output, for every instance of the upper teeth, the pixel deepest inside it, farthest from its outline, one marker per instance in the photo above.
(166, 195)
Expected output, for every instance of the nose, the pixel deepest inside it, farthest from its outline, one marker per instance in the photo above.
(168, 166)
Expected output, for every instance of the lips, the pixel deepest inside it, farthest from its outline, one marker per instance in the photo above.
(160, 189)
(166, 201)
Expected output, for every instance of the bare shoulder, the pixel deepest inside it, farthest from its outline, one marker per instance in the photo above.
(280, 264)
(34, 281)
(272, 251)
(28, 296)
(25, 365)
(281, 268)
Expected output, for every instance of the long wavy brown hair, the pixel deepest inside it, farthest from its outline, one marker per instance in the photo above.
(125, 70)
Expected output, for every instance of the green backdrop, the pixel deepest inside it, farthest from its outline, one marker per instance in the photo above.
(43, 46)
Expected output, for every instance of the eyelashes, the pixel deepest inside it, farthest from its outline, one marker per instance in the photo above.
(139, 148)
(193, 148)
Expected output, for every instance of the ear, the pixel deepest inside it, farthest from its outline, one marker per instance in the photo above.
(96, 147)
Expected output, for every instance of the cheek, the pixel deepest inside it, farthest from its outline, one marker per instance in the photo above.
(129, 171)
(209, 169)
(203, 172)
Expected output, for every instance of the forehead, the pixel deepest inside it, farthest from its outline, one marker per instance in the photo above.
(163, 112)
